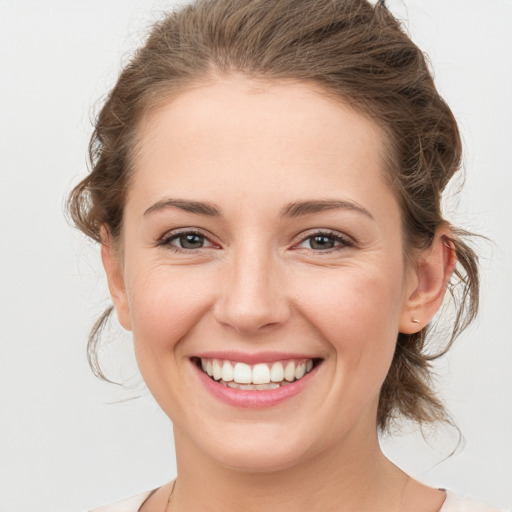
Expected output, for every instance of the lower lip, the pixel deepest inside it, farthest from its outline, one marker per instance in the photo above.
(251, 398)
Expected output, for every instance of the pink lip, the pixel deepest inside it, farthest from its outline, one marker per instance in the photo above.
(260, 357)
(253, 399)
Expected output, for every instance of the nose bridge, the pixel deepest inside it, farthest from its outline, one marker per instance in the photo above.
(252, 295)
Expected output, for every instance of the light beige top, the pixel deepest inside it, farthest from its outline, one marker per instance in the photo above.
(453, 503)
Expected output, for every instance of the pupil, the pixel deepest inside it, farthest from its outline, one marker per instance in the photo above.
(191, 241)
(322, 242)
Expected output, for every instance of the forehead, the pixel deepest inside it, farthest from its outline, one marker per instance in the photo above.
(236, 133)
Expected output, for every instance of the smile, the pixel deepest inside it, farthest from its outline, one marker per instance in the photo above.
(255, 377)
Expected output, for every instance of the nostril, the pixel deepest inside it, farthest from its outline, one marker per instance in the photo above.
(252, 305)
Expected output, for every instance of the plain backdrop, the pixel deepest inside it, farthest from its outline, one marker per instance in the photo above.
(69, 441)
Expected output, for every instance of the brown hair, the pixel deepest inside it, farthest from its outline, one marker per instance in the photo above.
(357, 53)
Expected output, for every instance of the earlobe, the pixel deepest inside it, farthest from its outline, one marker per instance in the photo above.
(116, 285)
(434, 268)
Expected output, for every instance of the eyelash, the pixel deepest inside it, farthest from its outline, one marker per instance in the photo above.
(165, 241)
(345, 242)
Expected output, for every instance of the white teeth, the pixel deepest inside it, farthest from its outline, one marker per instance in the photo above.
(277, 372)
(227, 371)
(258, 377)
(216, 369)
(270, 385)
(241, 386)
(289, 371)
(300, 371)
(251, 387)
(243, 373)
(260, 374)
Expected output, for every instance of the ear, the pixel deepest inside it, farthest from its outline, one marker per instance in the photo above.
(113, 268)
(428, 282)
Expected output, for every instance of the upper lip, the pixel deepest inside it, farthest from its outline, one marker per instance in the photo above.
(253, 358)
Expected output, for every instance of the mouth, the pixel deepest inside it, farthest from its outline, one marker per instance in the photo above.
(261, 376)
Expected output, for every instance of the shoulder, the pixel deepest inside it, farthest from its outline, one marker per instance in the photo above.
(455, 503)
(131, 504)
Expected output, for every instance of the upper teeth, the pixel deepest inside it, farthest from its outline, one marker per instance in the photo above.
(261, 373)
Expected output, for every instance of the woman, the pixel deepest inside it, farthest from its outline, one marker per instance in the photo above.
(266, 190)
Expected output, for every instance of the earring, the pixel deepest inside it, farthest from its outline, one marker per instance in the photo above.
(414, 321)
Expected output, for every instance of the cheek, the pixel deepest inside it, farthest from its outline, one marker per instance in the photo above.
(357, 312)
(165, 303)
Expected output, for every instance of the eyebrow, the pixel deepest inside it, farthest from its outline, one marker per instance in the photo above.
(198, 207)
(300, 208)
(295, 209)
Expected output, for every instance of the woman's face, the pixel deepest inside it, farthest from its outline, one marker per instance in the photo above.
(260, 241)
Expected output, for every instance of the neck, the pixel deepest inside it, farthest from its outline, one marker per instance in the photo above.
(352, 476)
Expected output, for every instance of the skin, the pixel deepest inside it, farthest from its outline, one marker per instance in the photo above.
(258, 285)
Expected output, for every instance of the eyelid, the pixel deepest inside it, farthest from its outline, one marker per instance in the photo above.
(169, 236)
(345, 240)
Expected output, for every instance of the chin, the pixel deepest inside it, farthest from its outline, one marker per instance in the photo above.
(261, 449)
(257, 460)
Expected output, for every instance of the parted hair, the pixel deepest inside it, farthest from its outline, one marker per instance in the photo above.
(357, 53)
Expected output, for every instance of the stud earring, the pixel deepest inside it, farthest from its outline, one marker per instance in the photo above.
(414, 321)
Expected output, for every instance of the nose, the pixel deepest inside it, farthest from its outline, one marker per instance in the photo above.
(252, 296)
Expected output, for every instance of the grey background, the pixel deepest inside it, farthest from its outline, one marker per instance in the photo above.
(69, 441)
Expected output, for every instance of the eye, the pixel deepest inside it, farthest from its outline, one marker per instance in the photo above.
(185, 240)
(325, 241)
